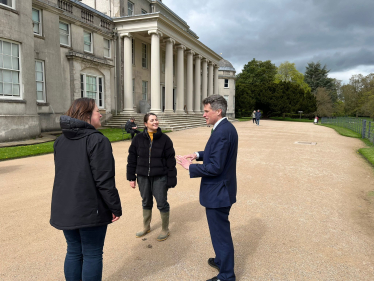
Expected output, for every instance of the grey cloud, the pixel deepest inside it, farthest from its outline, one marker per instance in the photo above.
(337, 33)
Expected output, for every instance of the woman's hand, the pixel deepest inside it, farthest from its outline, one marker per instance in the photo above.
(115, 218)
(133, 184)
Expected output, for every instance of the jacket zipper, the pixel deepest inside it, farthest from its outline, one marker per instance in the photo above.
(150, 150)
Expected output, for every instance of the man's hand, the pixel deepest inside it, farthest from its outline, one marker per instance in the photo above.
(183, 161)
(192, 156)
(133, 184)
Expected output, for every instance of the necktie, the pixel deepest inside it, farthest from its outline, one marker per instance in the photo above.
(212, 131)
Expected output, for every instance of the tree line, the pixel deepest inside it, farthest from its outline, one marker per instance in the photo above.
(284, 91)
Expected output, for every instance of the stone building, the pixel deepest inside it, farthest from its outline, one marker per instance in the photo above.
(130, 56)
(226, 85)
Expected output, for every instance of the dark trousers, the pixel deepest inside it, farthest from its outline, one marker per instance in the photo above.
(133, 132)
(254, 120)
(154, 186)
(84, 257)
(219, 227)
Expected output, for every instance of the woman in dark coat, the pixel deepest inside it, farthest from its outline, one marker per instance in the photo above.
(152, 162)
(85, 198)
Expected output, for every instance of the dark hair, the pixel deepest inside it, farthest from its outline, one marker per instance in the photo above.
(146, 117)
(217, 102)
(82, 109)
(132, 118)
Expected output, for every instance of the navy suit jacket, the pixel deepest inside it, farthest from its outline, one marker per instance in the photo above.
(218, 171)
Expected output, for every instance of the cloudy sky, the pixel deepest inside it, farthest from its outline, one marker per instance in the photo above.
(338, 33)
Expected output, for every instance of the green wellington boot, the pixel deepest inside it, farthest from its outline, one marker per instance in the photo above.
(165, 226)
(147, 216)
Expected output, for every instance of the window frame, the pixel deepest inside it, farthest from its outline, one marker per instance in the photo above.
(36, 81)
(40, 21)
(144, 55)
(20, 96)
(13, 6)
(69, 33)
(224, 84)
(84, 91)
(128, 8)
(144, 12)
(108, 48)
(91, 42)
(145, 93)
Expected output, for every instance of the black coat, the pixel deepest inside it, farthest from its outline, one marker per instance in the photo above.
(129, 126)
(156, 158)
(84, 190)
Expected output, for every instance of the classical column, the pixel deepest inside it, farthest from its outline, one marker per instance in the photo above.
(155, 71)
(215, 88)
(204, 84)
(169, 76)
(180, 80)
(190, 55)
(128, 99)
(210, 79)
(197, 105)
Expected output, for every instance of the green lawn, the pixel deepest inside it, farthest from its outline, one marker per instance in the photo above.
(244, 118)
(7, 153)
(290, 119)
(367, 152)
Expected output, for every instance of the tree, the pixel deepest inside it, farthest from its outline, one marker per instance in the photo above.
(287, 72)
(324, 103)
(258, 72)
(316, 77)
(244, 101)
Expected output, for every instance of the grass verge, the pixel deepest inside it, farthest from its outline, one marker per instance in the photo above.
(367, 152)
(290, 119)
(7, 153)
(244, 118)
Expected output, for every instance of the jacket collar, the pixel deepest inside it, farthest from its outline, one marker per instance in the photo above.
(74, 128)
(220, 121)
(156, 135)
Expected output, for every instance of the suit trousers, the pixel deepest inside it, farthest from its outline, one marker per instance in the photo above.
(220, 233)
(154, 186)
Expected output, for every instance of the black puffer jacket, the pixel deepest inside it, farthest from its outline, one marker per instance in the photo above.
(84, 190)
(152, 158)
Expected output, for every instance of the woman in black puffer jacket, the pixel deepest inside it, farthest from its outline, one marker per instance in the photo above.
(152, 162)
(85, 198)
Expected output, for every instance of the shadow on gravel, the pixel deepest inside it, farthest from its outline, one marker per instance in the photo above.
(10, 168)
(246, 240)
(150, 256)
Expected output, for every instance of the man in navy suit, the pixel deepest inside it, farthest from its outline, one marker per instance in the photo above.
(218, 183)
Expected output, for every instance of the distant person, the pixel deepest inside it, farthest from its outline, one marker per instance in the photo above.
(84, 198)
(316, 120)
(254, 117)
(151, 162)
(218, 183)
(258, 116)
(131, 127)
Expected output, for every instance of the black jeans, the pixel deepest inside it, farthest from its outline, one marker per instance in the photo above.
(254, 120)
(154, 186)
(84, 257)
(133, 132)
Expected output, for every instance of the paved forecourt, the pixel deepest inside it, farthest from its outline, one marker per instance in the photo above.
(302, 213)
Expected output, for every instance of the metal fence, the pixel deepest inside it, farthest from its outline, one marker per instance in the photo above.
(362, 126)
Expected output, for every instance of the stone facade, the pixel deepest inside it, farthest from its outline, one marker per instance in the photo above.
(119, 52)
(226, 87)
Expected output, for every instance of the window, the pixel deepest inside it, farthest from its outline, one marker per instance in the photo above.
(9, 3)
(144, 55)
(145, 89)
(93, 87)
(9, 69)
(130, 8)
(133, 91)
(36, 21)
(106, 48)
(144, 12)
(64, 33)
(226, 85)
(133, 50)
(163, 61)
(87, 37)
(40, 81)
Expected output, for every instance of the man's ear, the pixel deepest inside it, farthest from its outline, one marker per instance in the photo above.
(219, 112)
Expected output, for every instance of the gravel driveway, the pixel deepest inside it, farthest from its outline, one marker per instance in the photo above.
(303, 213)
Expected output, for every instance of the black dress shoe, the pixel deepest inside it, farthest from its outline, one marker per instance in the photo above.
(213, 264)
(213, 279)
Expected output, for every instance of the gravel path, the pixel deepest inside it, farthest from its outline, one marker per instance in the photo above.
(302, 213)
